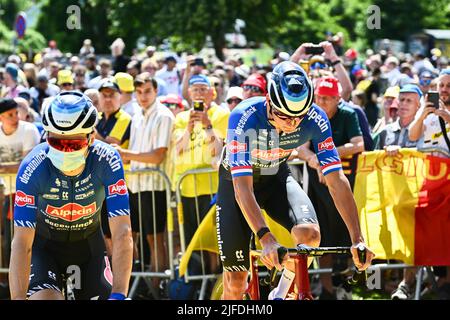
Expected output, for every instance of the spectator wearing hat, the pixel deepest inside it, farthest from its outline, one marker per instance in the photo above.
(425, 79)
(200, 136)
(151, 67)
(12, 87)
(395, 134)
(17, 138)
(150, 51)
(433, 125)
(194, 66)
(113, 127)
(171, 75)
(235, 95)
(65, 80)
(105, 72)
(349, 141)
(127, 101)
(151, 132)
(254, 86)
(389, 109)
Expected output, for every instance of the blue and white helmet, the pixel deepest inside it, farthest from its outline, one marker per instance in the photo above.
(290, 90)
(70, 112)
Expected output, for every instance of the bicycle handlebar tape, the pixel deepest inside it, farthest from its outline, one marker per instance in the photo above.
(360, 277)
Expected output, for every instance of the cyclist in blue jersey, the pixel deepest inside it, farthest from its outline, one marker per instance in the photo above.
(61, 186)
(262, 133)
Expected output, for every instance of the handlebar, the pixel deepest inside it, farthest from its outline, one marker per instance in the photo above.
(358, 277)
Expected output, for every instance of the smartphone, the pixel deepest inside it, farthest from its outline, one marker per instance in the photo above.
(199, 106)
(433, 96)
(314, 49)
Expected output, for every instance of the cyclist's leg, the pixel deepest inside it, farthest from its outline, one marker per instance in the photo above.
(96, 279)
(233, 235)
(46, 281)
(291, 208)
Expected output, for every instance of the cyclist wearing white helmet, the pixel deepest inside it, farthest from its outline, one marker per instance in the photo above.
(262, 133)
(61, 186)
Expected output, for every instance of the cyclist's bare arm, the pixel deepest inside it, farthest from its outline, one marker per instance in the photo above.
(245, 197)
(356, 145)
(20, 265)
(122, 255)
(341, 192)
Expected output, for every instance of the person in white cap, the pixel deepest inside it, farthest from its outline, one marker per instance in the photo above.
(234, 97)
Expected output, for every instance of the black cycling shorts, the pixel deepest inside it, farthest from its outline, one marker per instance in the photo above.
(154, 217)
(85, 262)
(279, 195)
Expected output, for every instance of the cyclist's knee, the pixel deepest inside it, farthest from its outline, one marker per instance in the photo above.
(308, 234)
(235, 284)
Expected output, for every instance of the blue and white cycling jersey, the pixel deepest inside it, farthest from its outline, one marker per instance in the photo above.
(254, 148)
(63, 208)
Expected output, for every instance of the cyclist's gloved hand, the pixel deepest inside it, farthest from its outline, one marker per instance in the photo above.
(369, 255)
(117, 296)
(269, 256)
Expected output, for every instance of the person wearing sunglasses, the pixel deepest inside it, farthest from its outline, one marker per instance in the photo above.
(234, 97)
(254, 86)
(262, 133)
(61, 185)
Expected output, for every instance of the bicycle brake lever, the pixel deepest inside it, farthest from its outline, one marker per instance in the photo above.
(359, 276)
(270, 278)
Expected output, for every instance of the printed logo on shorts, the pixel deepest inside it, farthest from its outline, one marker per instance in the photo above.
(235, 147)
(328, 144)
(119, 187)
(22, 199)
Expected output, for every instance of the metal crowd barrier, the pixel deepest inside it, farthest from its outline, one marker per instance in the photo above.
(203, 277)
(163, 274)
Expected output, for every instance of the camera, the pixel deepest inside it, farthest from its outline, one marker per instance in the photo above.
(199, 106)
(314, 49)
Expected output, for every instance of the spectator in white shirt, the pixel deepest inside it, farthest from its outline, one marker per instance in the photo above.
(150, 138)
(170, 75)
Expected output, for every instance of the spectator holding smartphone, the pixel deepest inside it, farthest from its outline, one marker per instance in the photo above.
(432, 122)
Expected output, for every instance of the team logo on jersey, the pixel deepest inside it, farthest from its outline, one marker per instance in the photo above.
(271, 155)
(235, 147)
(22, 199)
(328, 144)
(118, 188)
(72, 211)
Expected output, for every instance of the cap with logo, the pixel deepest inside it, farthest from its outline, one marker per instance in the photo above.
(327, 86)
(12, 70)
(109, 83)
(199, 79)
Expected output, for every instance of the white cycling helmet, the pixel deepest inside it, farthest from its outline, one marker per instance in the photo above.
(290, 90)
(70, 112)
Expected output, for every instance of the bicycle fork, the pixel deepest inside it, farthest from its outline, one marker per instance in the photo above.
(302, 278)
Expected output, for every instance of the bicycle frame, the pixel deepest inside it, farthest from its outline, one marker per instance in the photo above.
(300, 256)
